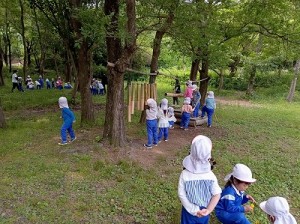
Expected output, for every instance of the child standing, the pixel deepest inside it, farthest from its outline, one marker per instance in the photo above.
(171, 116)
(278, 211)
(232, 206)
(68, 120)
(198, 187)
(209, 107)
(196, 100)
(163, 120)
(188, 90)
(176, 90)
(186, 111)
(151, 122)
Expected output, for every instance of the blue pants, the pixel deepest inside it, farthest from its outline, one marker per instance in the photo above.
(67, 127)
(196, 110)
(187, 218)
(163, 132)
(232, 218)
(185, 119)
(171, 123)
(152, 132)
(209, 112)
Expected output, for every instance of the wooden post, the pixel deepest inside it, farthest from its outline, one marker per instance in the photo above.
(133, 97)
(129, 102)
(142, 102)
(138, 93)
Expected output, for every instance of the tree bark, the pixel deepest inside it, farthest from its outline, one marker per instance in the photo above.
(194, 69)
(157, 45)
(2, 117)
(23, 38)
(204, 83)
(42, 45)
(221, 81)
(291, 94)
(114, 125)
(1, 67)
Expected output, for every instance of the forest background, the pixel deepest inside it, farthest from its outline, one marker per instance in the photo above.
(241, 49)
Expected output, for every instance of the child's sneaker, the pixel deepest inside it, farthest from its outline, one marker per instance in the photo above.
(72, 140)
(148, 146)
(185, 129)
(166, 140)
(62, 143)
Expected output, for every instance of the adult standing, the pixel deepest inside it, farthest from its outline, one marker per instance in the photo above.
(14, 79)
(176, 90)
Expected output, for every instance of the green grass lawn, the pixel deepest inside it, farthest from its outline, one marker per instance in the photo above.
(44, 183)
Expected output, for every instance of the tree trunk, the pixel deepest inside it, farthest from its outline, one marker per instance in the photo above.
(1, 67)
(194, 69)
(290, 97)
(7, 52)
(42, 47)
(204, 83)
(157, 44)
(114, 125)
(23, 38)
(2, 118)
(83, 60)
(84, 77)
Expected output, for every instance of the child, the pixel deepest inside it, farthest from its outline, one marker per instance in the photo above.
(163, 120)
(231, 209)
(188, 90)
(48, 84)
(198, 187)
(186, 111)
(209, 107)
(171, 116)
(277, 209)
(151, 122)
(196, 100)
(68, 118)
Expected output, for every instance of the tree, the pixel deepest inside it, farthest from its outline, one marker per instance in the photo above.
(2, 118)
(118, 57)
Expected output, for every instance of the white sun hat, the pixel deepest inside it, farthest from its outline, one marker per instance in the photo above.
(279, 208)
(164, 104)
(210, 94)
(151, 103)
(194, 87)
(198, 160)
(63, 102)
(241, 172)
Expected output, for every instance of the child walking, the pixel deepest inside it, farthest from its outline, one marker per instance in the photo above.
(186, 111)
(68, 120)
(196, 100)
(151, 122)
(232, 206)
(198, 188)
(209, 107)
(163, 121)
(171, 116)
(278, 211)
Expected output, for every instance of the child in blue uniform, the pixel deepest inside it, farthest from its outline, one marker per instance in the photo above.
(196, 100)
(151, 122)
(232, 206)
(198, 188)
(186, 111)
(68, 118)
(209, 107)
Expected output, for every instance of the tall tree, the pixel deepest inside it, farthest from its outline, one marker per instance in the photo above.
(118, 56)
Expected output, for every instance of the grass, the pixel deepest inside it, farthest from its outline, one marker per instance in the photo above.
(44, 183)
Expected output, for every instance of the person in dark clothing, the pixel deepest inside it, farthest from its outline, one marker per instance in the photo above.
(176, 90)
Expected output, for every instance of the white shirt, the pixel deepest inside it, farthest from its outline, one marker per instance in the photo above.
(14, 78)
(195, 190)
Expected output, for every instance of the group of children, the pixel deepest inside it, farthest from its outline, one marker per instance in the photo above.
(158, 122)
(191, 105)
(200, 194)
